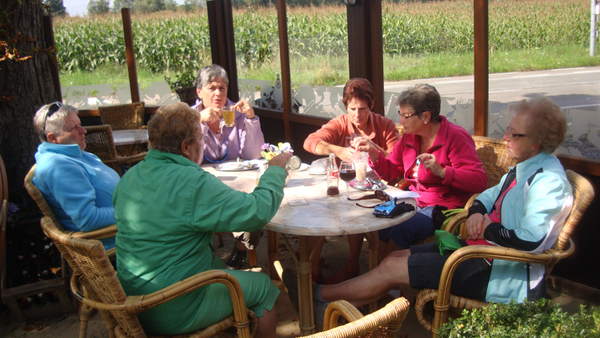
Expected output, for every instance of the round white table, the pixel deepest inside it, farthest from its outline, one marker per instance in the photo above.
(305, 211)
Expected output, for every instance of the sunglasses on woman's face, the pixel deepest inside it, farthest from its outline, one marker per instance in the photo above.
(379, 194)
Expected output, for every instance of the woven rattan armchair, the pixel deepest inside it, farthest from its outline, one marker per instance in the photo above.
(496, 162)
(385, 322)
(109, 231)
(125, 116)
(583, 194)
(99, 141)
(92, 268)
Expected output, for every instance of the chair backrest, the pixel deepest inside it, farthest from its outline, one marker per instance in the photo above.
(95, 272)
(583, 194)
(126, 116)
(493, 155)
(99, 141)
(38, 197)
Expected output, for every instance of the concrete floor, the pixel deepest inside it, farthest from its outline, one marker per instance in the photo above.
(335, 255)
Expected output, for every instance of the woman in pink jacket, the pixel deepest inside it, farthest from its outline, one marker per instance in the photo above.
(436, 157)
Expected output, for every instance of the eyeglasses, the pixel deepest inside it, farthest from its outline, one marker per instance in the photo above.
(407, 116)
(512, 135)
(54, 107)
(379, 194)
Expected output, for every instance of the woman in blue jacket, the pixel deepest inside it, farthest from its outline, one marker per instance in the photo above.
(76, 184)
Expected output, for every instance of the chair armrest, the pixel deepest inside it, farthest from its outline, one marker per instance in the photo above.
(470, 201)
(548, 257)
(395, 311)
(141, 303)
(132, 158)
(106, 232)
(456, 221)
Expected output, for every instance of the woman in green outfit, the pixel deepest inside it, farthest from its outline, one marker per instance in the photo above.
(167, 209)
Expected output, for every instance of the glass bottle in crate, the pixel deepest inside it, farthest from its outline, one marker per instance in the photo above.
(333, 176)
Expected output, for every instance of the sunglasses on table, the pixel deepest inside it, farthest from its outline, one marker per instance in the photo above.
(378, 194)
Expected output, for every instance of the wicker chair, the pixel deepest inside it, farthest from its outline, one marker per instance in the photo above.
(125, 116)
(583, 194)
(385, 322)
(496, 162)
(94, 271)
(99, 141)
(109, 231)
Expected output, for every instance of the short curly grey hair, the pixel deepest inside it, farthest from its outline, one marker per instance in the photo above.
(209, 74)
(546, 123)
(54, 123)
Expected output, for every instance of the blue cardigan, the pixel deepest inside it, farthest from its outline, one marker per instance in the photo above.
(77, 186)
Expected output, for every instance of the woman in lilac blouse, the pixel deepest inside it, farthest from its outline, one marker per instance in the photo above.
(224, 143)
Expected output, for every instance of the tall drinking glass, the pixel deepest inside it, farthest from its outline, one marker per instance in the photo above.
(361, 160)
(347, 174)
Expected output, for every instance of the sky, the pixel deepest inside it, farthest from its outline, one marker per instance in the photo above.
(79, 7)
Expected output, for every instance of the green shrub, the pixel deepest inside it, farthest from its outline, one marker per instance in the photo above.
(529, 319)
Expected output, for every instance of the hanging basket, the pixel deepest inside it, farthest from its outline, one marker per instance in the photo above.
(187, 95)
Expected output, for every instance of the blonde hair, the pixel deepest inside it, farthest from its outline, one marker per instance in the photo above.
(546, 123)
(172, 125)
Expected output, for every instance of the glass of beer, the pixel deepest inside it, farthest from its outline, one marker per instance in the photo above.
(228, 116)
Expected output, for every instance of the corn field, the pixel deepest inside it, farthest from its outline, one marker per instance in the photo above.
(174, 40)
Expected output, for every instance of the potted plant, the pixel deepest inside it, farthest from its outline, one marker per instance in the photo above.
(184, 84)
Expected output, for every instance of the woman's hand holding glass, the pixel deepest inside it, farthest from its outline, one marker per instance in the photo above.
(210, 114)
(281, 160)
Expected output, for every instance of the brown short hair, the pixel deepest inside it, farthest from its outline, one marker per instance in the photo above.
(546, 123)
(171, 125)
(358, 88)
(421, 98)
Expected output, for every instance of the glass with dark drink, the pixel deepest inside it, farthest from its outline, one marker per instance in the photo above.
(347, 174)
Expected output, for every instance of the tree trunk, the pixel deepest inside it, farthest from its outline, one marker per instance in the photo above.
(31, 83)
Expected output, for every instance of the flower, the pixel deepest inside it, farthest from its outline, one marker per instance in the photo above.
(271, 150)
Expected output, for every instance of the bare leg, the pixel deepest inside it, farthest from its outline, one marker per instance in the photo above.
(267, 324)
(382, 249)
(391, 247)
(352, 268)
(373, 285)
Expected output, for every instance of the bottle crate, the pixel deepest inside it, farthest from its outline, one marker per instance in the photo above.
(29, 293)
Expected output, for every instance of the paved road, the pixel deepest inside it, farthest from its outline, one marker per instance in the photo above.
(569, 88)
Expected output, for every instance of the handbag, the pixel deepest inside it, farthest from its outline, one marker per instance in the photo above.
(392, 208)
(441, 216)
(446, 242)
